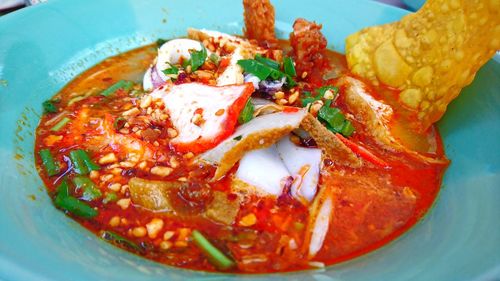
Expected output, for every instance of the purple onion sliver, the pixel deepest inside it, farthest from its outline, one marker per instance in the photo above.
(156, 79)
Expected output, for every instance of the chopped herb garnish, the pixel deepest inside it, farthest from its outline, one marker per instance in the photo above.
(119, 240)
(59, 125)
(197, 58)
(247, 113)
(160, 42)
(268, 62)
(288, 67)
(214, 255)
(51, 166)
(256, 68)
(70, 204)
(308, 98)
(49, 106)
(264, 68)
(237, 138)
(110, 197)
(123, 85)
(90, 190)
(172, 70)
(334, 120)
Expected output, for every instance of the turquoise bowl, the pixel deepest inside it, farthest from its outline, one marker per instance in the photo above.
(43, 47)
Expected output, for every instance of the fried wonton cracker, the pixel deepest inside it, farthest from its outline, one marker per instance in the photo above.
(429, 55)
(259, 20)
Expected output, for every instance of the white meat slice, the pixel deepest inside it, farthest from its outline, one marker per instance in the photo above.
(264, 170)
(260, 132)
(202, 115)
(304, 165)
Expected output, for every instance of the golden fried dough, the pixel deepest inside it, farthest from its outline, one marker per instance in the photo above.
(259, 20)
(308, 44)
(429, 55)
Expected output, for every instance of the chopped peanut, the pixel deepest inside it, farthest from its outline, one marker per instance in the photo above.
(132, 112)
(168, 234)
(153, 227)
(127, 164)
(114, 221)
(282, 101)
(139, 231)
(248, 220)
(279, 95)
(189, 155)
(304, 75)
(293, 97)
(146, 101)
(172, 133)
(124, 203)
(51, 140)
(328, 95)
(165, 245)
(161, 171)
(142, 165)
(106, 177)
(115, 186)
(94, 175)
(174, 163)
(108, 159)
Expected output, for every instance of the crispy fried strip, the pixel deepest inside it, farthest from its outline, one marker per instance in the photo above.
(329, 143)
(308, 43)
(429, 55)
(259, 20)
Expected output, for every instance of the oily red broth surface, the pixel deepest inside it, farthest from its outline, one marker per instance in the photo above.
(372, 205)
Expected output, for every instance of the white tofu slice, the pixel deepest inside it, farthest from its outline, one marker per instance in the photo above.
(264, 170)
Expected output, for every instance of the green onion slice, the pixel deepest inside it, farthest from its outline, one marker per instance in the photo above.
(256, 68)
(51, 166)
(72, 205)
(247, 113)
(119, 240)
(214, 255)
(82, 164)
(49, 106)
(90, 190)
(268, 62)
(122, 84)
(60, 124)
(288, 67)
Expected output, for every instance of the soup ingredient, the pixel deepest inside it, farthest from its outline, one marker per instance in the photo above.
(260, 132)
(304, 165)
(333, 148)
(214, 255)
(82, 164)
(51, 166)
(119, 240)
(59, 125)
(150, 194)
(69, 203)
(320, 215)
(308, 44)
(171, 53)
(121, 85)
(90, 190)
(427, 56)
(261, 171)
(247, 113)
(203, 115)
(222, 208)
(49, 106)
(259, 20)
(335, 120)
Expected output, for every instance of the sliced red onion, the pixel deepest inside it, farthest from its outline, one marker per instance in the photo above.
(271, 86)
(156, 78)
(152, 79)
(252, 78)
